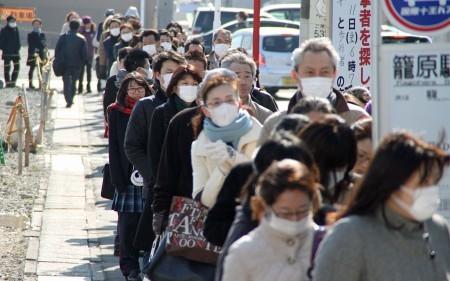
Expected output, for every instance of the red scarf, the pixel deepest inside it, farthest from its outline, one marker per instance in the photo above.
(129, 105)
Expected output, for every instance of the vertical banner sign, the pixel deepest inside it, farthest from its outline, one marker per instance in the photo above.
(318, 18)
(415, 96)
(352, 39)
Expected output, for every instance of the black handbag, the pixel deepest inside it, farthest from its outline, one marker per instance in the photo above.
(164, 267)
(107, 186)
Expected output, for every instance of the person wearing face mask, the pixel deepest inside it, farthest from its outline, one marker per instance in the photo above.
(390, 230)
(71, 49)
(10, 46)
(37, 46)
(333, 145)
(221, 45)
(150, 41)
(228, 137)
(128, 200)
(106, 49)
(315, 68)
(197, 60)
(281, 247)
(88, 31)
(363, 135)
(165, 41)
(126, 36)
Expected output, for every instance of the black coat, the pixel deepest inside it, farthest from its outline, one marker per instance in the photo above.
(109, 44)
(119, 45)
(137, 136)
(110, 93)
(265, 99)
(160, 122)
(221, 215)
(119, 165)
(10, 42)
(174, 176)
(37, 44)
(71, 48)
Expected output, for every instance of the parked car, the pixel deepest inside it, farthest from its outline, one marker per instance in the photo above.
(276, 47)
(232, 26)
(204, 17)
(284, 11)
(392, 35)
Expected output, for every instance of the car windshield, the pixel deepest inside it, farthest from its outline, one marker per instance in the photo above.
(280, 43)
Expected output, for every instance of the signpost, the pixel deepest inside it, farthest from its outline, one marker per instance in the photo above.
(428, 17)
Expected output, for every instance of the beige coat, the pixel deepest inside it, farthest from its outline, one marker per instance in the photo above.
(208, 177)
(267, 255)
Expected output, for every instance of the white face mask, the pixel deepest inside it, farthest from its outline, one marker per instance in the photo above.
(149, 74)
(224, 114)
(126, 36)
(188, 93)
(288, 227)
(12, 24)
(150, 49)
(166, 80)
(221, 49)
(426, 202)
(320, 87)
(115, 31)
(167, 46)
(180, 50)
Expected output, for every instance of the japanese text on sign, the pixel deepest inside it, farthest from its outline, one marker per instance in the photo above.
(318, 17)
(21, 14)
(352, 39)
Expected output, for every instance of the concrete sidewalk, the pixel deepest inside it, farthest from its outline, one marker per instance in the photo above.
(72, 227)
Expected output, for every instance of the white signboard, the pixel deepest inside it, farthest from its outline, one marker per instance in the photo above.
(351, 36)
(318, 18)
(415, 96)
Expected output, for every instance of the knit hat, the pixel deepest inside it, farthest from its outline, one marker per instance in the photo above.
(132, 12)
(87, 19)
(109, 12)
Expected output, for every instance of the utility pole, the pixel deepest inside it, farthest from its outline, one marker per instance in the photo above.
(142, 13)
(165, 12)
(304, 20)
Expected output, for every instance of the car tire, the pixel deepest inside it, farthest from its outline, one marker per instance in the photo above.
(272, 90)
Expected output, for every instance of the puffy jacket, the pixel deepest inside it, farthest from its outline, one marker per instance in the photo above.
(72, 48)
(9, 41)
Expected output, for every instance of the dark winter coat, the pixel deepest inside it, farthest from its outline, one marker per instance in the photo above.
(221, 215)
(137, 136)
(10, 42)
(110, 93)
(72, 49)
(174, 176)
(109, 44)
(119, 45)
(265, 99)
(37, 44)
(119, 165)
(89, 36)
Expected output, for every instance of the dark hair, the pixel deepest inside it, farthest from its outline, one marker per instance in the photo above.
(161, 58)
(176, 25)
(312, 104)
(396, 159)
(123, 90)
(135, 24)
(74, 25)
(353, 100)
(333, 146)
(135, 58)
(180, 73)
(358, 92)
(363, 129)
(291, 123)
(71, 13)
(243, 15)
(194, 41)
(164, 32)
(197, 56)
(36, 20)
(126, 25)
(150, 32)
(286, 175)
(123, 52)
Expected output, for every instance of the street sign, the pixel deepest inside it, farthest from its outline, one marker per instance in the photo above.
(415, 96)
(21, 14)
(352, 37)
(428, 17)
(319, 11)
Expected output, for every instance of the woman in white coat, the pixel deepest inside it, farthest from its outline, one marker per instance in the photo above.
(226, 135)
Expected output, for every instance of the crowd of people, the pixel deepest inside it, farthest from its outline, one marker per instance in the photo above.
(298, 194)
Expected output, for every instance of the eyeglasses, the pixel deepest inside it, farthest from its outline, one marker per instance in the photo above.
(297, 215)
(136, 90)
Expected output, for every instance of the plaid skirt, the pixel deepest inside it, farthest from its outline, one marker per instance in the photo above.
(129, 201)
